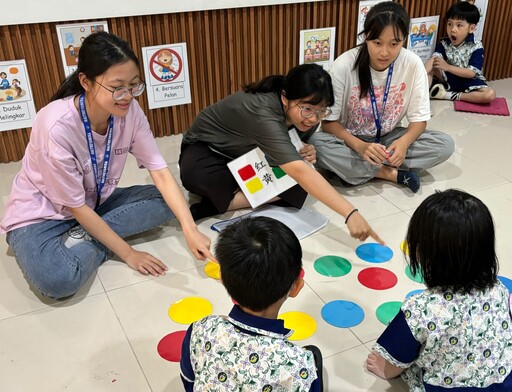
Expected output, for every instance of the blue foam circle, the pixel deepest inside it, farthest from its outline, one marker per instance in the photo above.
(414, 292)
(374, 253)
(342, 314)
(507, 282)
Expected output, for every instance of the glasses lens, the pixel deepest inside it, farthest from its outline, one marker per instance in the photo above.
(324, 113)
(138, 89)
(306, 111)
(119, 93)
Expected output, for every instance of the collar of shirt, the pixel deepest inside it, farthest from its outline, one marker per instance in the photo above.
(258, 325)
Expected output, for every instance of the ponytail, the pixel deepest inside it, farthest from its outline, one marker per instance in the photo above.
(70, 86)
(272, 83)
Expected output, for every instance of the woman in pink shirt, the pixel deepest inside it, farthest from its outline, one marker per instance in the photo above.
(65, 215)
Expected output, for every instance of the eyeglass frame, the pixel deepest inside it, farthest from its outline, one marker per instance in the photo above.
(128, 89)
(327, 112)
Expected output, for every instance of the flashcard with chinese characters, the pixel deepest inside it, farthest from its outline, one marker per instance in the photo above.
(258, 180)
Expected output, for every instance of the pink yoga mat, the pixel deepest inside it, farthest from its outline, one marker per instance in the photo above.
(497, 107)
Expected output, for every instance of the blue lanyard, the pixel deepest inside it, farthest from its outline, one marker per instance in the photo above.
(92, 151)
(375, 110)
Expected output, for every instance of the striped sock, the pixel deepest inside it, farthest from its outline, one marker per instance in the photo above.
(454, 96)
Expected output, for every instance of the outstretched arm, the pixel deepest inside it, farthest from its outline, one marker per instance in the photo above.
(313, 183)
(198, 243)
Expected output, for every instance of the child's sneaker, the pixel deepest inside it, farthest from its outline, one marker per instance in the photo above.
(438, 91)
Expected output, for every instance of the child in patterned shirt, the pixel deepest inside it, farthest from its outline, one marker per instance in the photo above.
(457, 334)
(455, 68)
(260, 264)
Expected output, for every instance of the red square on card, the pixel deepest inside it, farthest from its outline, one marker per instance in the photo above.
(246, 172)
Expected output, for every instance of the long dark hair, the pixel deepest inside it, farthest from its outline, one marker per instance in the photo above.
(305, 80)
(378, 18)
(451, 242)
(98, 52)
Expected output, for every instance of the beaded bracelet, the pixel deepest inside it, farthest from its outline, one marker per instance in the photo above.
(350, 214)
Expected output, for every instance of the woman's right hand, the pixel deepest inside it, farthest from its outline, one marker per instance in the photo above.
(360, 229)
(374, 153)
(145, 263)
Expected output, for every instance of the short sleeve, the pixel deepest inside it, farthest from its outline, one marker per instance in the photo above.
(476, 61)
(338, 73)
(397, 343)
(143, 146)
(187, 372)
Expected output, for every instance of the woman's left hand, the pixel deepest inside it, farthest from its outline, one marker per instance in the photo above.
(199, 244)
(308, 153)
(397, 151)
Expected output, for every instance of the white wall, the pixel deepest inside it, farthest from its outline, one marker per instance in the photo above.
(40, 11)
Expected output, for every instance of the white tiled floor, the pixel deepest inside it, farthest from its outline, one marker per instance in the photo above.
(105, 338)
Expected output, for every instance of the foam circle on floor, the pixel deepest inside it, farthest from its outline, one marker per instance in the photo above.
(212, 270)
(342, 314)
(374, 253)
(302, 324)
(377, 278)
(507, 282)
(169, 347)
(387, 311)
(190, 309)
(410, 294)
(333, 266)
(404, 247)
(416, 278)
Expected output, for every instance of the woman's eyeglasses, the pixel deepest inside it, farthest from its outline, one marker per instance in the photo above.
(308, 112)
(121, 92)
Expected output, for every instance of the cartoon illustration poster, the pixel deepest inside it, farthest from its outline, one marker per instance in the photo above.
(317, 46)
(364, 7)
(166, 72)
(71, 37)
(422, 36)
(259, 181)
(17, 108)
(482, 7)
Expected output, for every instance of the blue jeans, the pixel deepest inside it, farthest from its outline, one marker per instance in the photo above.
(58, 271)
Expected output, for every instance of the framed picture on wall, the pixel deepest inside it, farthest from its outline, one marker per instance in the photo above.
(317, 46)
(71, 37)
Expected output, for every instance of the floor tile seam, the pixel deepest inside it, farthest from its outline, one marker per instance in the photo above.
(150, 279)
(60, 304)
(118, 319)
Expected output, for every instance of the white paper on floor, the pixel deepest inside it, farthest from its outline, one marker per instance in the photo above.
(303, 222)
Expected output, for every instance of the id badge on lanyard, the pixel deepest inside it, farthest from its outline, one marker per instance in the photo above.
(100, 182)
(377, 117)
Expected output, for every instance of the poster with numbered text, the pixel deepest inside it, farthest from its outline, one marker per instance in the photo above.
(166, 73)
(422, 36)
(17, 108)
(71, 37)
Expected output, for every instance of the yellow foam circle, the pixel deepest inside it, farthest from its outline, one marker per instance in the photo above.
(190, 309)
(212, 270)
(303, 325)
(404, 247)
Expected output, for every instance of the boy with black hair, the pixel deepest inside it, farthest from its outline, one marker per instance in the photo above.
(261, 266)
(455, 68)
